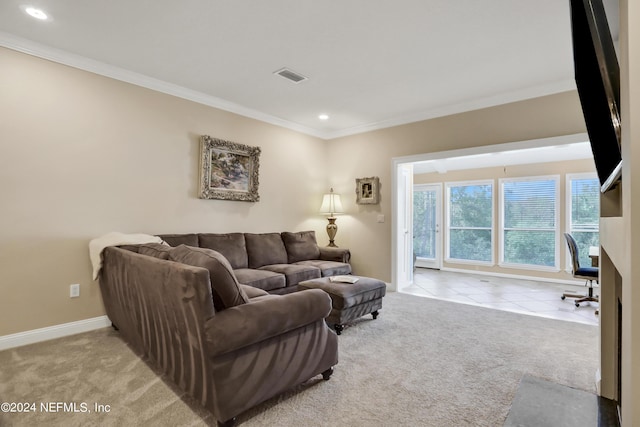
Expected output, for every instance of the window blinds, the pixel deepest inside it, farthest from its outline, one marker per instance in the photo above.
(529, 221)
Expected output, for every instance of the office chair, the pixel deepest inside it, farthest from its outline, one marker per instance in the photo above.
(589, 274)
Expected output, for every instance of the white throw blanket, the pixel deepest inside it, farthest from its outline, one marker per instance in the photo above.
(97, 245)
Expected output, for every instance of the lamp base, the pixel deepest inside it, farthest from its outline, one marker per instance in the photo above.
(332, 229)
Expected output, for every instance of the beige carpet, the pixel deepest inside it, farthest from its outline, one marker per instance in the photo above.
(423, 362)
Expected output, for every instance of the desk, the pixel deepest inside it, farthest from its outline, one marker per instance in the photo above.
(594, 254)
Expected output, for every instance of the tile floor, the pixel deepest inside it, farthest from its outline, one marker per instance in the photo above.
(522, 296)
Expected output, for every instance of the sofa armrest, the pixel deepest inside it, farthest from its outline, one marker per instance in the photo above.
(263, 318)
(334, 254)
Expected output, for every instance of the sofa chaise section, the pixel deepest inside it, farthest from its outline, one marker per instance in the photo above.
(253, 346)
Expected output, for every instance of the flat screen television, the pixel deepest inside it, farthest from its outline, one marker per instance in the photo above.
(597, 77)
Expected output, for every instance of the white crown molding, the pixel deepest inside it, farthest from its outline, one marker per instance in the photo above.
(52, 332)
(29, 47)
(62, 57)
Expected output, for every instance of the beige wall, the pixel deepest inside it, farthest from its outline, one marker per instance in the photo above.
(496, 173)
(82, 155)
(371, 154)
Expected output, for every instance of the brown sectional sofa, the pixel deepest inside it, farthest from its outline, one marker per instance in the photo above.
(274, 262)
(229, 346)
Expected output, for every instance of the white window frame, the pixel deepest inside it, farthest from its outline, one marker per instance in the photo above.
(501, 221)
(447, 227)
(568, 178)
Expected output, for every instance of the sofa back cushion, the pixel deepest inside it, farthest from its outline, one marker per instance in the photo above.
(301, 246)
(156, 250)
(180, 239)
(224, 286)
(265, 249)
(232, 246)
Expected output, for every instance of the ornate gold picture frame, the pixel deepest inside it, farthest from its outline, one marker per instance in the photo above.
(228, 170)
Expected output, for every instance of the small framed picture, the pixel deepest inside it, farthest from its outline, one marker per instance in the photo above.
(229, 171)
(368, 191)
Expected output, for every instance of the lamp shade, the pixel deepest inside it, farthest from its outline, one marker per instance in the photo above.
(331, 204)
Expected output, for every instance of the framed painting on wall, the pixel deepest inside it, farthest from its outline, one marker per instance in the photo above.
(368, 191)
(228, 170)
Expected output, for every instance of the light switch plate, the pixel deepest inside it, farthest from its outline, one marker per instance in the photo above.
(74, 290)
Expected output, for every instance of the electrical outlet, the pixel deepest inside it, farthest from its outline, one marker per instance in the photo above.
(74, 290)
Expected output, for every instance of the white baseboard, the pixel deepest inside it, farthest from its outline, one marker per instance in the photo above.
(516, 276)
(52, 332)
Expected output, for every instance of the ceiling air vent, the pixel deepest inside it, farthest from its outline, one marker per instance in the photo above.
(290, 75)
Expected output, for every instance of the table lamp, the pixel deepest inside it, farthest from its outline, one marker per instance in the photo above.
(331, 205)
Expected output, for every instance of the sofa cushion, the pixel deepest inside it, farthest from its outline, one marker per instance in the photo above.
(265, 249)
(231, 245)
(300, 246)
(253, 292)
(294, 273)
(224, 286)
(180, 239)
(262, 279)
(156, 250)
(328, 268)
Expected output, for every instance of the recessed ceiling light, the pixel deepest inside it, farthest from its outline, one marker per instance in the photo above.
(36, 13)
(323, 117)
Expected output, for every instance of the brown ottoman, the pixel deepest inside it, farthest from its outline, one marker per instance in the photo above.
(349, 300)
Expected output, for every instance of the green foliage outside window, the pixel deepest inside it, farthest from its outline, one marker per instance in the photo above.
(585, 216)
(529, 222)
(530, 247)
(470, 219)
(472, 245)
(424, 224)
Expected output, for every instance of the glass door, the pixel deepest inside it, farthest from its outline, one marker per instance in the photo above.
(427, 214)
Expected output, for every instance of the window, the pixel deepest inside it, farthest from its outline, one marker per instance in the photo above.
(470, 222)
(529, 222)
(583, 207)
